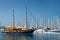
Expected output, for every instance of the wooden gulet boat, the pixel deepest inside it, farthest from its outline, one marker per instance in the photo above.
(14, 30)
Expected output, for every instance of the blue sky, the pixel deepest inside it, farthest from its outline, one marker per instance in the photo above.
(36, 9)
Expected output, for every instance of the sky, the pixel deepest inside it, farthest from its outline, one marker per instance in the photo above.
(36, 9)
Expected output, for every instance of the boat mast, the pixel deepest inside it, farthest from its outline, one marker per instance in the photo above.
(13, 18)
(26, 18)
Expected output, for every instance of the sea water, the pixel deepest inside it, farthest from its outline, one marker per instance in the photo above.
(34, 36)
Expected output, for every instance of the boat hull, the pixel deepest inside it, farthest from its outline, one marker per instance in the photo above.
(56, 30)
(26, 32)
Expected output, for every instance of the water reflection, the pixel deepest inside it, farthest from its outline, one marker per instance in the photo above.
(36, 36)
(17, 37)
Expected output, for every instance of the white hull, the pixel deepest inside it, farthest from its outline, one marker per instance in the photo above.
(55, 30)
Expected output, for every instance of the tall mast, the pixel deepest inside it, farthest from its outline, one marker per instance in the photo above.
(26, 18)
(13, 18)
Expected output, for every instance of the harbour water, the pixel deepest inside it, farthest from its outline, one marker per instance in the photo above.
(34, 36)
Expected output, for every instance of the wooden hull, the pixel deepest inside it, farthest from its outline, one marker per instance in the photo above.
(19, 32)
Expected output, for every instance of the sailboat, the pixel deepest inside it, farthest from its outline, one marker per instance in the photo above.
(21, 30)
(54, 29)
